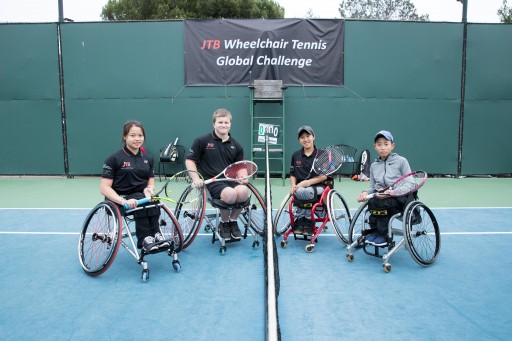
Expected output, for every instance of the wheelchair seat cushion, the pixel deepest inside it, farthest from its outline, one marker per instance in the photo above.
(217, 203)
(308, 203)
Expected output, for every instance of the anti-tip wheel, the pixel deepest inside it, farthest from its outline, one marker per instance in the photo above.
(350, 257)
(387, 267)
(145, 275)
(222, 250)
(255, 244)
(283, 244)
(176, 266)
(310, 248)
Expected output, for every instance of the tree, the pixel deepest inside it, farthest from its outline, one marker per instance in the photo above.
(505, 13)
(190, 9)
(311, 15)
(380, 10)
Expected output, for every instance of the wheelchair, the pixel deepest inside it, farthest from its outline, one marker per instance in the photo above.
(252, 218)
(417, 226)
(329, 207)
(190, 213)
(106, 228)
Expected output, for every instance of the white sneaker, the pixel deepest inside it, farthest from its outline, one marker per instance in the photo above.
(159, 238)
(149, 244)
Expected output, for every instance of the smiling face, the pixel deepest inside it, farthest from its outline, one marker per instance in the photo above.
(307, 141)
(134, 139)
(222, 125)
(384, 147)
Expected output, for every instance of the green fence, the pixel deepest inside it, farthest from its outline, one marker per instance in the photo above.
(401, 76)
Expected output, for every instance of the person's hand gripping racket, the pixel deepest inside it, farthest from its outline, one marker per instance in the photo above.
(406, 184)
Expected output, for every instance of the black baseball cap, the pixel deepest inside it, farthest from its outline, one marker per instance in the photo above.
(306, 129)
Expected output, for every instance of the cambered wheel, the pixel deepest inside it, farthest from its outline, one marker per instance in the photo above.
(339, 215)
(100, 238)
(170, 229)
(257, 211)
(359, 223)
(190, 213)
(282, 219)
(421, 233)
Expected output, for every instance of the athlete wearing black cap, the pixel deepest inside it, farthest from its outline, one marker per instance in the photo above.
(303, 185)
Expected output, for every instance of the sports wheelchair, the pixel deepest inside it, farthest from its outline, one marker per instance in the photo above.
(105, 229)
(329, 207)
(416, 224)
(252, 218)
(190, 213)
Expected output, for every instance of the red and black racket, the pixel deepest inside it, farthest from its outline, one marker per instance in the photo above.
(327, 161)
(237, 171)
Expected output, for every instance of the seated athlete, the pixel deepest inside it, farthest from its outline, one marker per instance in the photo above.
(384, 171)
(305, 185)
(209, 155)
(127, 176)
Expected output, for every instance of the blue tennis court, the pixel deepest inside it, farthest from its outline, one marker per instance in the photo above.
(464, 295)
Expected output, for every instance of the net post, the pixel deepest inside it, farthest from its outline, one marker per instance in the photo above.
(272, 332)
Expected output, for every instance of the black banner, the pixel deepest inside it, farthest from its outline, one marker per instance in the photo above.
(238, 51)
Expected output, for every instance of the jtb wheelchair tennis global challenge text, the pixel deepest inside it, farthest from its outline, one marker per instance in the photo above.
(280, 60)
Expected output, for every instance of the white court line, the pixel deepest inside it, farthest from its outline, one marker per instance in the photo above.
(43, 233)
(275, 209)
(209, 234)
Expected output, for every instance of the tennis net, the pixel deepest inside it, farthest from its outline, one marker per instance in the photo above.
(272, 283)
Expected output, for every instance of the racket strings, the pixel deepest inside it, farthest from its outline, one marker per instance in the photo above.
(240, 170)
(178, 185)
(328, 160)
(409, 184)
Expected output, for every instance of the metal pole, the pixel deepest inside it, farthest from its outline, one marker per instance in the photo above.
(462, 83)
(61, 10)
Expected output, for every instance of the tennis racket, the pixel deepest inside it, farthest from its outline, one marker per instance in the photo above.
(174, 152)
(327, 161)
(173, 188)
(406, 184)
(237, 171)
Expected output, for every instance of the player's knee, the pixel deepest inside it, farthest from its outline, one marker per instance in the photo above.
(242, 193)
(228, 195)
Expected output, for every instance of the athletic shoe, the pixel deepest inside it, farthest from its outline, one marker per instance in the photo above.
(298, 229)
(308, 230)
(298, 226)
(234, 230)
(160, 239)
(225, 231)
(148, 244)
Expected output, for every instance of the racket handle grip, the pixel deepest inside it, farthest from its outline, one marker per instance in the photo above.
(369, 196)
(139, 202)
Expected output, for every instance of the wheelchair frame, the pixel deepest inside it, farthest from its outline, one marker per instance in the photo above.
(252, 217)
(105, 228)
(331, 207)
(190, 215)
(419, 231)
